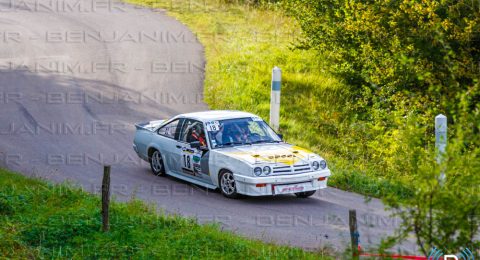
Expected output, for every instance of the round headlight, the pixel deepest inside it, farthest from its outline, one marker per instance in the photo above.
(257, 171)
(315, 165)
(267, 170)
(323, 164)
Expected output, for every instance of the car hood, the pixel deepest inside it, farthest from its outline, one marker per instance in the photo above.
(281, 153)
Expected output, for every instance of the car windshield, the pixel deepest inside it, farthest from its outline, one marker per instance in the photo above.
(240, 131)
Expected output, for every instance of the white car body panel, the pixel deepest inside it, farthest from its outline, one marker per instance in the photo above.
(291, 165)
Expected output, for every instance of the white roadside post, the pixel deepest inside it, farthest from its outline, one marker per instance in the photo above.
(275, 98)
(441, 140)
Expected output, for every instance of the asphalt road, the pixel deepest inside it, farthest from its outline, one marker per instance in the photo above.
(74, 78)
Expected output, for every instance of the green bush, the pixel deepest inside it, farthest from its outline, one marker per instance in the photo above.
(441, 212)
(404, 62)
(424, 47)
(397, 57)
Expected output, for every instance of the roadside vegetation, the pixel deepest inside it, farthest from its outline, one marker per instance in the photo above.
(405, 62)
(362, 83)
(243, 42)
(42, 220)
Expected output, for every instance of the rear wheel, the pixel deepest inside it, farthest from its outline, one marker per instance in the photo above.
(156, 163)
(305, 194)
(227, 185)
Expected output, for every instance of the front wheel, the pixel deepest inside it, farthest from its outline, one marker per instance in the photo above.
(156, 163)
(305, 194)
(227, 185)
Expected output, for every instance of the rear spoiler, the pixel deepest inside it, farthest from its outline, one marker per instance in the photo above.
(149, 126)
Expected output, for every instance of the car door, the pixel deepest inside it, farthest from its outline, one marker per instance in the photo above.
(166, 138)
(193, 160)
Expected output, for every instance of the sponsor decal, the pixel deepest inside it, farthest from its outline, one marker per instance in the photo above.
(212, 126)
(196, 158)
(274, 156)
(197, 169)
(295, 188)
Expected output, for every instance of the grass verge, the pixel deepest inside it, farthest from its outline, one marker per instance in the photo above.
(42, 220)
(242, 45)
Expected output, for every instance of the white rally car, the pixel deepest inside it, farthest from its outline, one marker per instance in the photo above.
(231, 150)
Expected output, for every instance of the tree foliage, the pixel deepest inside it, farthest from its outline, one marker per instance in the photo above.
(442, 213)
(406, 61)
(398, 48)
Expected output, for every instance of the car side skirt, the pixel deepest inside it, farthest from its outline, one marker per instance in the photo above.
(191, 180)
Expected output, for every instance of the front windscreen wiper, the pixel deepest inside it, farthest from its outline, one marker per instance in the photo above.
(230, 144)
(259, 141)
(265, 141)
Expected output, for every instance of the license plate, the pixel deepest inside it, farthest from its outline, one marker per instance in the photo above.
(292, 188)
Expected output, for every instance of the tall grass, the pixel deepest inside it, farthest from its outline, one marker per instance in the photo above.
(41, 220)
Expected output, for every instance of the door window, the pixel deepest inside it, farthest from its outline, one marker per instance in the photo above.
(193, 131)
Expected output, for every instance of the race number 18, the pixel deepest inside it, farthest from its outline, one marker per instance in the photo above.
(187, 162)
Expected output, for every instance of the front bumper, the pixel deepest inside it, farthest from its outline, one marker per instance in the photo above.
(283, 184)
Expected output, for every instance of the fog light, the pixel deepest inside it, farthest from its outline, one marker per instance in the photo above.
(322, 178)
(259, 185)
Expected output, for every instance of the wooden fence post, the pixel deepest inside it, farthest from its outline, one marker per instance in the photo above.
(352, 220)
(105, 198)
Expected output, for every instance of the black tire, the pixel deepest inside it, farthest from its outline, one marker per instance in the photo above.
(227, 186)
(305, 194)
(156, 164)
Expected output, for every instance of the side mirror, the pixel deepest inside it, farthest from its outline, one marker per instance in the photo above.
(281, 136)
